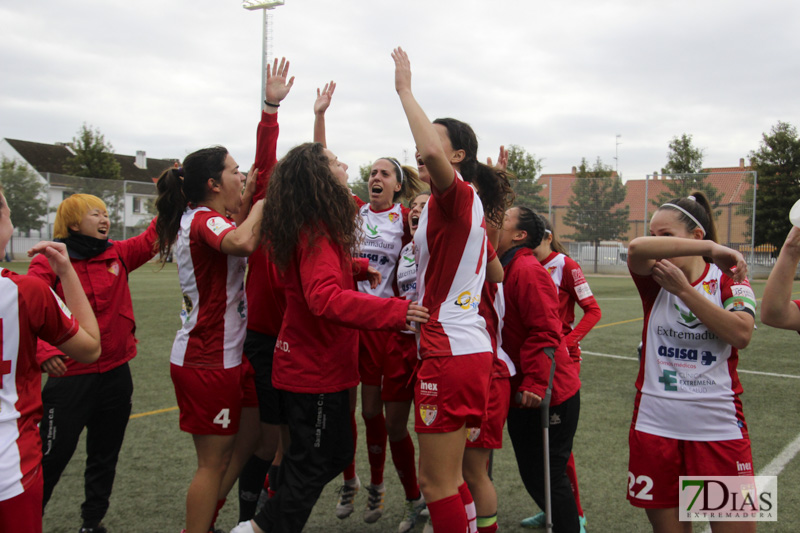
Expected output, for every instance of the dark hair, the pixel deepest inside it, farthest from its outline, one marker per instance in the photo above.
(699, 207)
(494, 187)
(531, 222)
(304, 196)
(180, 186)
(410, 184)
(555, 244)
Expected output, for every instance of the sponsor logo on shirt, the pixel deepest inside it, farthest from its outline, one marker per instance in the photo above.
(687, 354)
(427, 388)
(372, 231)
(62, 305)
(686, 319)
(689, 335)
(583, 291)
(427, 413)
(466, 301)
(186, 308)
(742, 291)
(577, 277)
(217, 225)
(711, 286)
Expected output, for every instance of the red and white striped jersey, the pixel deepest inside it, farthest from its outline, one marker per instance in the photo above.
(451, 268)
(214, 311)
(29, 309)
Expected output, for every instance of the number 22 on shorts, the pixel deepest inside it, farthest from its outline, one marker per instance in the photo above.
(223, 418)
(644, 492)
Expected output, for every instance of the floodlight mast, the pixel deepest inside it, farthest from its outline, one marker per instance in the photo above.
(266, 46)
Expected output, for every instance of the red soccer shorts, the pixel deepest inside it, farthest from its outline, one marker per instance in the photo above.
(490, 436)
(209, 400)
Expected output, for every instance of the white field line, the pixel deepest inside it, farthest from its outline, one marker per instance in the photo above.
(740, 370)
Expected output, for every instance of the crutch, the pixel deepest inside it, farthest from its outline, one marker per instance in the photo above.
(544, 410)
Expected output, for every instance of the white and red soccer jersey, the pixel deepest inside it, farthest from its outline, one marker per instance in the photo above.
(572, 289)
(214, 311)
(29, 309)
(688, 385)
(493, 310)
(385, 234)
(407, 273)
(451, 268)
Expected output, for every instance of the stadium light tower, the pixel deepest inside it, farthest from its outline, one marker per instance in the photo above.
(266, 47)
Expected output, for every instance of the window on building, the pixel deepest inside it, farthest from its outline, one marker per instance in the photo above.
(137, 204)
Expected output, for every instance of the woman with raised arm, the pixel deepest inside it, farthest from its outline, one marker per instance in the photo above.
(385, 380)
(699, 312)
(573, 289)
(532, 338)
(778, 309)
(310, 227)
(454, 346)
(29, 309)
(193, 204)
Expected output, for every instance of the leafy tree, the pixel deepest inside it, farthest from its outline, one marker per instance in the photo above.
(526, 167)
(777, 163)
(26, 194)
(594, 208)
(685, 164)
(359, 188)
(94, 158)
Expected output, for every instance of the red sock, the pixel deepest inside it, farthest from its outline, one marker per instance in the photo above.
(220, 503)
(447, 515)
(350, 471)
(403, 458)
(376, 447)
(573, 481)
(469, 507)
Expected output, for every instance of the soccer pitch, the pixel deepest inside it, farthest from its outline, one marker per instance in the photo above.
(158, 460)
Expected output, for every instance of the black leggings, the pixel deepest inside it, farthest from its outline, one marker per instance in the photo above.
(525, 430)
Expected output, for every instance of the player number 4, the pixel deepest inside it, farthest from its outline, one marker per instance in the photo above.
(223, 418)
(644, 492)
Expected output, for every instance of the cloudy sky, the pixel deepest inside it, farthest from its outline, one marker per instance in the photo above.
(561, 79)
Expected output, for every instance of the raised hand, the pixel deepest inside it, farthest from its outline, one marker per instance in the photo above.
(277, 86)
(402, 70)
(502, 159)
(57, 256)
(324, 98)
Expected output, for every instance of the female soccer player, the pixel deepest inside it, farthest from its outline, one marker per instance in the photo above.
(572, 289)
(454, 347)
(532, 338)
(384, 380)
(29, 309)
(96, 397)
(311, 230)
(777, 307)
(211, 252)
(687, 416)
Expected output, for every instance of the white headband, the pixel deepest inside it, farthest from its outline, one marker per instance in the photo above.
(688, 214)
(400, 168)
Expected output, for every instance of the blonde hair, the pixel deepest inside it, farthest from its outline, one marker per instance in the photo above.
(72, 210)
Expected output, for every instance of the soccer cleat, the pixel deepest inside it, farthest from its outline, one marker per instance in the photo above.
(374, 509)
(347, 495)
(534, 522)
(582, 520)
(428, 527)
(411, 513)
(243, 527)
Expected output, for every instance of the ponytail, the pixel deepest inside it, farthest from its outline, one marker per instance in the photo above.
(180, 186)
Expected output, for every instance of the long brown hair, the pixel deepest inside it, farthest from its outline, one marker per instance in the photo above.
(304, 196)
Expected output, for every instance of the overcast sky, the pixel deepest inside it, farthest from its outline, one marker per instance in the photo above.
(561, 79)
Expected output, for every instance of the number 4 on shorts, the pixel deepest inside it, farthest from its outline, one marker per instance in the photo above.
(223, 418)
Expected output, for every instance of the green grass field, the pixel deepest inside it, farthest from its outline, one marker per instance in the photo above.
(157, 460)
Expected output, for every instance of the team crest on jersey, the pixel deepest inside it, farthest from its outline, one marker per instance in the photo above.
(473, 434)
(551, 269)
(394, 217)
(114, 269)
(711, 286)
(217, 225)
(427, 413)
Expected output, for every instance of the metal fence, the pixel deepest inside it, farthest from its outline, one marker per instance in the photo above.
(129, 203)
